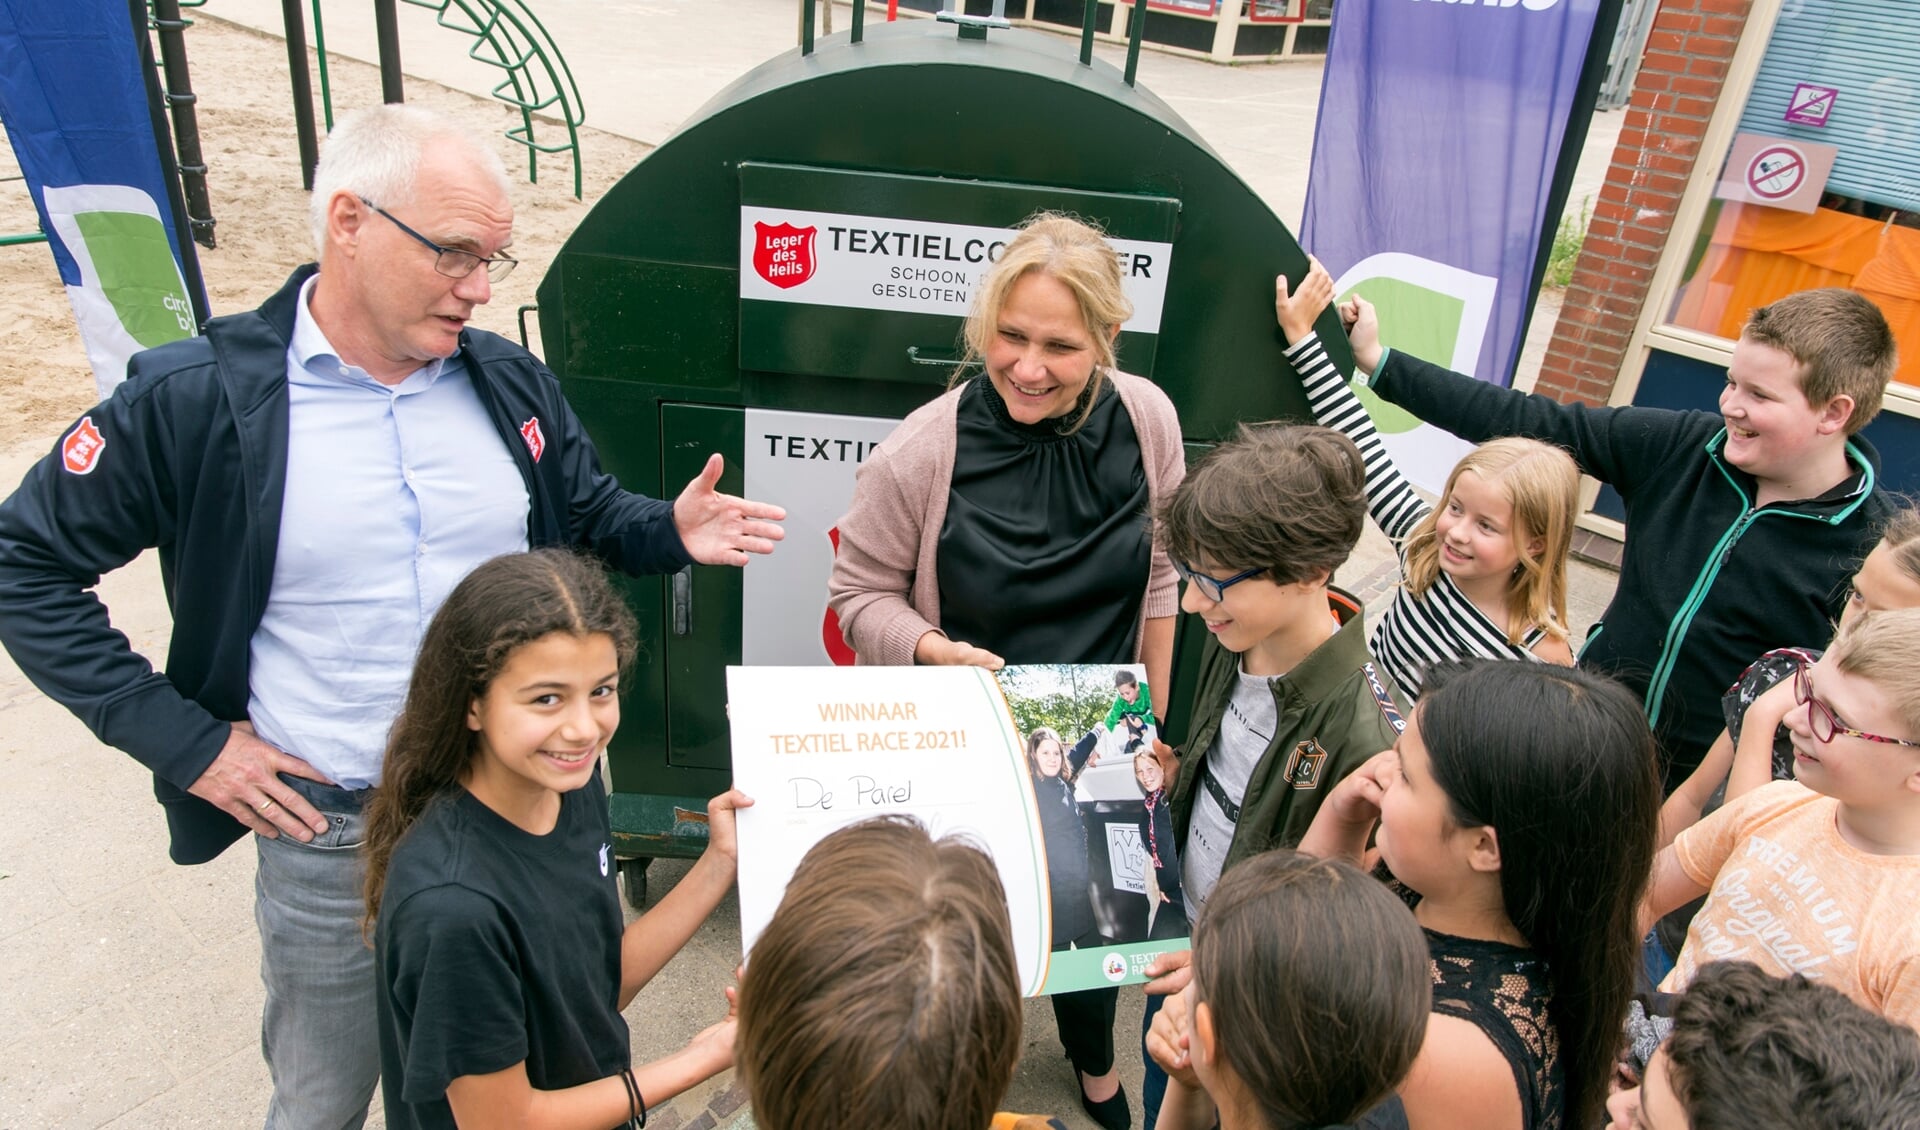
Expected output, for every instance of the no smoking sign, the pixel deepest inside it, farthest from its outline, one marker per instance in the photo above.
(1776, 172)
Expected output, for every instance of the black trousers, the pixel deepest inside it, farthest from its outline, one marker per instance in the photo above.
(1085, 1018)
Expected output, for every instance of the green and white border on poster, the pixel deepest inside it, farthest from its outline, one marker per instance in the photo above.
(819, 748)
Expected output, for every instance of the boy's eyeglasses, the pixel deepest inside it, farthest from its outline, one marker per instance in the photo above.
(451, 261)
(1213, 588)
(1820, 717)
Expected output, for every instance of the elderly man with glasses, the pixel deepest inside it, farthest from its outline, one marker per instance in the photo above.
(317, 474)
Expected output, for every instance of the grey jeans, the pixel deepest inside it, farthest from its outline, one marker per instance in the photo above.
(320, 1032)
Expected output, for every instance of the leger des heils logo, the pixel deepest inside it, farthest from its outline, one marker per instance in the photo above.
(783, 254)
(80, 451)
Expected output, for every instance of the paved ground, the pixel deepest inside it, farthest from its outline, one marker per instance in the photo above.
(131, 996)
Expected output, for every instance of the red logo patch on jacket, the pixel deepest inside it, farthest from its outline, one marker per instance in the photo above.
(783, 254)
(80, 451)
(530, 431)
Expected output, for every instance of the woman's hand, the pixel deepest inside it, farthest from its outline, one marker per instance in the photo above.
(1363, 332)
(935, 650)
(1300, 309)
(1169, 1038)
(722, 831)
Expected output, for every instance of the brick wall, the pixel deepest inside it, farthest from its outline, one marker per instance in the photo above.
(1688, 50)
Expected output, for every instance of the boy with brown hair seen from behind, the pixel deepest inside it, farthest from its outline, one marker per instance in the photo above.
(887, 1000)
(1743, 527)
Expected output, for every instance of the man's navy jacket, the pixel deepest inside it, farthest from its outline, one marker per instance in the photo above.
(189, 456)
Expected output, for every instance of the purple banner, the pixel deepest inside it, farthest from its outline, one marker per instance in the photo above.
(1440, 125)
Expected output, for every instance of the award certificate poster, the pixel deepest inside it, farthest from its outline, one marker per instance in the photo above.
(819, 748)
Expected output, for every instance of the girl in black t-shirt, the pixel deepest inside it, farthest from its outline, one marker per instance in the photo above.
(491, 893)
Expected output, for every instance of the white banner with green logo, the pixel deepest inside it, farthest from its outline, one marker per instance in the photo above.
(131, 295)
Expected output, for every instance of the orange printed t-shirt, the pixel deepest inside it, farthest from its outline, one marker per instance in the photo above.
(1790, 895)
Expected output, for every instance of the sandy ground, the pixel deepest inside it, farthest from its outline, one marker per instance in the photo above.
(246, 126)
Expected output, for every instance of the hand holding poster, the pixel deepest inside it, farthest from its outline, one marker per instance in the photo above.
(1073, 815)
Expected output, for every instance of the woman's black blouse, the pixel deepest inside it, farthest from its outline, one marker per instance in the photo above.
(1046, 547)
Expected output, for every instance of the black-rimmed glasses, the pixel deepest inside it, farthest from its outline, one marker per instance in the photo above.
(1213, 588)
(451, 261)
(1820, 717)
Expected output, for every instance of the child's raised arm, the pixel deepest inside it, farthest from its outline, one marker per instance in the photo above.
(653, 938)
(1390, 499)
(1622, 446)
(1682, 810)
(1753, 754)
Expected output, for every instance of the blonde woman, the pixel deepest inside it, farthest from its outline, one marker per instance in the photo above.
(1006, 521)
(1485, 571)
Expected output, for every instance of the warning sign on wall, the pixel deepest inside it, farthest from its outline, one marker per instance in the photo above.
(1776, 172)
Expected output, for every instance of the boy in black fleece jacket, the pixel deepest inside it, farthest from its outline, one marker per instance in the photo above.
(1743, 528)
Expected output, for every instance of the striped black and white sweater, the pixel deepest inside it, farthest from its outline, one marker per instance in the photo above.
(1441, 623)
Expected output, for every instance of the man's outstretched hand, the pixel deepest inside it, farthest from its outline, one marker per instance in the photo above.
(720, 529)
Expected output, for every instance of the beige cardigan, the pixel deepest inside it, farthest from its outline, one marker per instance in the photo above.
(884, 585)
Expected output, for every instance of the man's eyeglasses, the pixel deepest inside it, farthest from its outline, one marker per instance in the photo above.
(1213, 588)
(1820, 717)
(451, 261)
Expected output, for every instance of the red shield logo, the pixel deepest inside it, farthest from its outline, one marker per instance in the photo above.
(80, 451)
(530, 431)
(830, 637)
(783, 254)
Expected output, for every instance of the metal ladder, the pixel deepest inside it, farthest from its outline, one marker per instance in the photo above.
(507, 35)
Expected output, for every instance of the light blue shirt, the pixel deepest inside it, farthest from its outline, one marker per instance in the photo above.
(394, 493)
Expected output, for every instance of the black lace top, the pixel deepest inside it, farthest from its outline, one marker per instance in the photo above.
(1503, 991)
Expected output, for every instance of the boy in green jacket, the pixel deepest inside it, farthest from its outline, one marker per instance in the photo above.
(1289, 699)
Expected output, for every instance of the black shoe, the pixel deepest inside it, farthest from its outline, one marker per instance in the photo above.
(1111, 1114)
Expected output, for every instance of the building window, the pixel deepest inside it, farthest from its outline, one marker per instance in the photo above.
(1836, 79)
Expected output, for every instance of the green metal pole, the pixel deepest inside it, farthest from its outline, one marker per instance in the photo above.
(320, 46)
(806, 27)
(1086, 32)
(1139, 25)
(23, 237)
